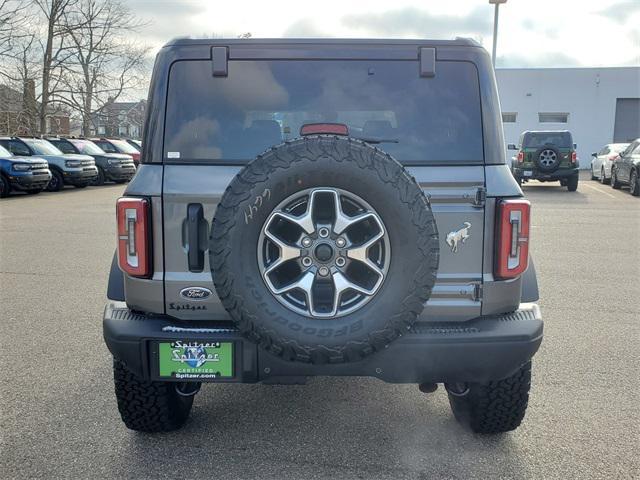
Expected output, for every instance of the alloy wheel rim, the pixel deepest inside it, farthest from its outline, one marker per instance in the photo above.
(548, 157)
(324, 252)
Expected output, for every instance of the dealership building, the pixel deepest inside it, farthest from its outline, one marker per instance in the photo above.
(598, 105)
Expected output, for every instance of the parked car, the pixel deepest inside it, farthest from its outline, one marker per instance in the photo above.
(546, 156)
(113, 145)
(116, 167)
(602, 161)
(626, 169)
(295, 249)
(137, 144)
(76, 170)
(28, 174)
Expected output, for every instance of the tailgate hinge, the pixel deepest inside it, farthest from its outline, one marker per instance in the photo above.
(480, 198)
(477, 292)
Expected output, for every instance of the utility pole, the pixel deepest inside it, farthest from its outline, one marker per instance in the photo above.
(495, 27)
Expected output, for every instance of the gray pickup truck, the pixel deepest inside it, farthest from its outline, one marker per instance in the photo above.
(323, 208)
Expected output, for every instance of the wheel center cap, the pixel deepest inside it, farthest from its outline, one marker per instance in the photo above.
(324, 252)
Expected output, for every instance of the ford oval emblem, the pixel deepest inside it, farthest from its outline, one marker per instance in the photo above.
(195, 293)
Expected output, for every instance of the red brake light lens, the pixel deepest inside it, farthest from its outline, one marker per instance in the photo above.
(613, 157)
(326, 128)
(134, 236)
(512, 256)
(574, 157)
(520, 157)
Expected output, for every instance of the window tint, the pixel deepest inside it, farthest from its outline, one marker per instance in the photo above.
(262, 103)
(87, 147)
(42, 147)
(4, 153)
(63, 146)
(106, 146)
(18, 148)
(604, 151)
(539, 139)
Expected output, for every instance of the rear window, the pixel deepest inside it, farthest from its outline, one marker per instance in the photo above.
(263, 103)
(540, 139)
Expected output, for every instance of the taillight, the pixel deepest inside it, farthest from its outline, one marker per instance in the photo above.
(134, 236)
(512, 256)
(574, 157)
(613, 157)
(520, 157)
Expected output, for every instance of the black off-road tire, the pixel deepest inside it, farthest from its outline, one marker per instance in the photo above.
(318, 162)
(572, 183)
(615, 184)
(5, 186)
(495, 407)
(56, 183)
(540, 165)
(100, 179)
(634, 184)
(148, 406)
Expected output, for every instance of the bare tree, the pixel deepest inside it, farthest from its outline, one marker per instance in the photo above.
(54, 51)
(13, 19)
(105, 63)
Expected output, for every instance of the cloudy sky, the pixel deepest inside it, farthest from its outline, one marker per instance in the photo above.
(533, 33)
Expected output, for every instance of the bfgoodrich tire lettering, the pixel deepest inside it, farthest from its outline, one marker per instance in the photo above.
(330, 162)
(148, 406)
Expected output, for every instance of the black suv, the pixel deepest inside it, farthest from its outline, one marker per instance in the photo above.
(117, 167)
(546, 156)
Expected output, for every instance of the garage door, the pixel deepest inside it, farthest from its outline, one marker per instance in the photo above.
(627, 126)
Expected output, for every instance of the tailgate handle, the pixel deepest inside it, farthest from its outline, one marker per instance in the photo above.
(196, 237)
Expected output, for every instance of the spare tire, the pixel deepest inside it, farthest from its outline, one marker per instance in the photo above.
(323, 250)
(547, 158)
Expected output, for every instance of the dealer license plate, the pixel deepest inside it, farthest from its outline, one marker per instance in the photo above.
(192, 360)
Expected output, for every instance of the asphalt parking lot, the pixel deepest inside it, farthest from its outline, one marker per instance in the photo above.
(59, 418)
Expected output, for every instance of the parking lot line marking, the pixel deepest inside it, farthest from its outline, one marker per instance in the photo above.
(598, 190)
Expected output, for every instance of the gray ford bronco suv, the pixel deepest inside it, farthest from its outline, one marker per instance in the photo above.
(323, 208)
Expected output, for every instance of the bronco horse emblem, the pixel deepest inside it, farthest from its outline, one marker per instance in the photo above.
(457, 236)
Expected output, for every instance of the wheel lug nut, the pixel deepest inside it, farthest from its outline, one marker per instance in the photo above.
(340, 261)
(306, 261)
(340, 242)
(323, 232)
(306, 242)
(323, 271)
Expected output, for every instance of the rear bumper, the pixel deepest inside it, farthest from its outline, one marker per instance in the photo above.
(533, 174)
(487, 348)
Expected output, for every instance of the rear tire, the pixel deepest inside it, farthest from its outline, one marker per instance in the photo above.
(56, 183)
(572, 183)
(494, 407)
(593, 174)
(615, 184)
(147, 406)
(603, 178)
(634, 184)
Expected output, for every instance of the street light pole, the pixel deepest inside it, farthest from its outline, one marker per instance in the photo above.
(495, 28)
